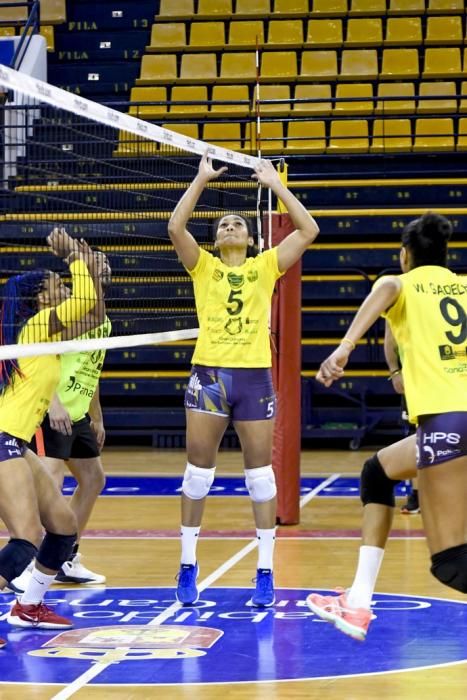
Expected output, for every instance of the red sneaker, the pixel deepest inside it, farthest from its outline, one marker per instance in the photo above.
(2, 643)
(351, 621)
(36, 616)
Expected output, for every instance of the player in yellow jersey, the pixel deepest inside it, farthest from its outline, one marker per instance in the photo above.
(426, 308)
(231, 375)
(73, 431)
(36, 307)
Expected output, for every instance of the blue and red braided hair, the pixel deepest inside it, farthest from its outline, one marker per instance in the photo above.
(20, 303)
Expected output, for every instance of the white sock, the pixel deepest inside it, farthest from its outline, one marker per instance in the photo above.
(266, 542)
(189, 537)
(369, 562)
(36, 588)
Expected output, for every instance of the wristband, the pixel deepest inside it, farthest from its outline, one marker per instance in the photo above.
(350, 342)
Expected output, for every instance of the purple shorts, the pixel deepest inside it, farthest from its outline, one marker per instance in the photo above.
(11, 447)
(235, 393)
(440, 438)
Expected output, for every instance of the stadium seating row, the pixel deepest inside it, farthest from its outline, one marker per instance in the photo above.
(346, 136)
(318, 33)
(51, 12)
(311, 66)
(207, 9)
(276, 100)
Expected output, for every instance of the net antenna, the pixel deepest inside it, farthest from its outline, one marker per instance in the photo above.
(66, 144)
(259, 220)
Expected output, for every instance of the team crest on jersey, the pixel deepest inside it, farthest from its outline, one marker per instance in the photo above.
(235, 281)
(217, 275)
(446, 352)
(234, 326)
(252, 276)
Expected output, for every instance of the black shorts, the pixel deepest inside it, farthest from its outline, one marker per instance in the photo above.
(81, 444)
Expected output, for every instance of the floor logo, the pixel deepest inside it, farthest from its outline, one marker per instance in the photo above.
(224, 639)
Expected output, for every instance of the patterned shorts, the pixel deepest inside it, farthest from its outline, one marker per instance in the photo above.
(11, 447)
(235, 393)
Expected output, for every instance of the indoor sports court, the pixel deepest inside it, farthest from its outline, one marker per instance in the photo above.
(112, 114)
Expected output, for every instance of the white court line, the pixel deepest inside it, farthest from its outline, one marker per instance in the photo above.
(98, 668)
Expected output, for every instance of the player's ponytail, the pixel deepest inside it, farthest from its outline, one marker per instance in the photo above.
(427, 239)
(20, 303)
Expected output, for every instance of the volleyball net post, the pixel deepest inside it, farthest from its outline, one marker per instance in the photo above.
(286, 326)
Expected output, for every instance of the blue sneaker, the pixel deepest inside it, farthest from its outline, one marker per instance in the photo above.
(187, 593)
(264, 597)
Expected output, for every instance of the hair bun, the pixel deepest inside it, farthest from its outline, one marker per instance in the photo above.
(435, 226)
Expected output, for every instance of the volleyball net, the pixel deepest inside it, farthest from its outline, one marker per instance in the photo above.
(113, 180)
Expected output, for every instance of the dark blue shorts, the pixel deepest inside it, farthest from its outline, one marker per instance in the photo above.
(11, 447)
(440, 438)
(235, 393)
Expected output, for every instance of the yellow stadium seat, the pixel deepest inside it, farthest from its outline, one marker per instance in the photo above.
(238, 67)
(273, 92)
(191, 93)
(353, 90)
(336, 8)
(406, 7)
(434, 135)
(288, 32)
(167, 36)
(13, 14)
(279, 66)
(7, 31)
(444, 31)
(148, 94)
(53, 11)
(253, 7)
(230, 93)
(132, 145)
(311, 93)
(225, 135)
(463, 102)
(191, 130)
(48, 33)
(349, 136)
(214, 9)
(406, 105)
(444, 7)
(368, 7)
(207, 36)
(272, 137)
(318, 65)
(359, 64)
(444, 91)
(400, 63)
(291, 7)
(403, 31)
(364, 32)
(442, 63)
(246, 34)
(176, 9)
(306, 137)
(462, 135)
(391, 135)
(158, 69)
(324, 33)
(198, 67)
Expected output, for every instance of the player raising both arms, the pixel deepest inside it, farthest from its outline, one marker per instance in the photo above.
(36, 307)
(231, 374)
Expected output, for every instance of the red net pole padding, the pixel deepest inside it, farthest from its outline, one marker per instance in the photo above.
(286, 329)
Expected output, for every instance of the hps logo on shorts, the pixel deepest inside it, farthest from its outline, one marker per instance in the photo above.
(224, 639)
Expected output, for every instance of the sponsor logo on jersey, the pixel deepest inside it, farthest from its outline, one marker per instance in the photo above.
(235, 281)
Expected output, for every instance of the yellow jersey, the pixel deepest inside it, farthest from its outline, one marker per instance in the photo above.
(233, 306)
(24, 403)
(429, 325)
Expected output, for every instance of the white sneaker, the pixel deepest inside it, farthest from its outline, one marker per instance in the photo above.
(18, 584)
(74, 572)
